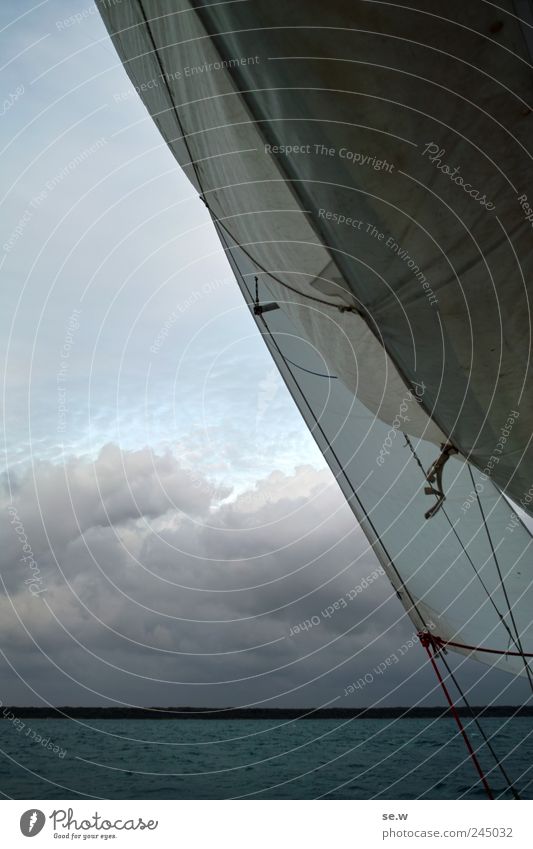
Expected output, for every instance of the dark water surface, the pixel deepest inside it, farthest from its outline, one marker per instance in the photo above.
(222, 759)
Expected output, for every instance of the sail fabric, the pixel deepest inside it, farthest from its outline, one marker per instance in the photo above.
(248, 193)
(401, 297)
(373, 113)
(419, 122)
(464, 575)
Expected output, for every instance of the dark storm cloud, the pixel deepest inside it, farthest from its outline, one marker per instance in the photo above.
(153, 588)
(143, 569)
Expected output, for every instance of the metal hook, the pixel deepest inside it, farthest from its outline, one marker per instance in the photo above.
(434, 474)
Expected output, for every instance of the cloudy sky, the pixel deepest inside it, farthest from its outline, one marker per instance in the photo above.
(181, 519)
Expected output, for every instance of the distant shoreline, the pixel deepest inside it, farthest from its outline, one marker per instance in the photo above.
(203, 713)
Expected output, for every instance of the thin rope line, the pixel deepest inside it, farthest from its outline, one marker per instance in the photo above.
(194, 164)
(315, 373)
(221, 227)
(169, 92)
(262, 269)
(391, 563)
(500, 576)
(481, 730)
(450, 673)
(332, 451)
(480, 648)
(425, 639)
(480, 579)
(467, 555)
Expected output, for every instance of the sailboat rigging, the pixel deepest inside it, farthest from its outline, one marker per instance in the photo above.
(367, 175)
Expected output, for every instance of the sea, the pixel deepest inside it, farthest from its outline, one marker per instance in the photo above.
(259, 759)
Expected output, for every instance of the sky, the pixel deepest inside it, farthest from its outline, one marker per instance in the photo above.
(182, 521)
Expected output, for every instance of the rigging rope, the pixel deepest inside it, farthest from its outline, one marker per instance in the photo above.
(315, 373)
(502, 652)
(351, 308)
(413, 604)
(194, 164)
(330, 448)
(273, 275)
(436, 639)
(459, 540)
(481, 730)
(467, 555)
(427, 642)
(517, 641)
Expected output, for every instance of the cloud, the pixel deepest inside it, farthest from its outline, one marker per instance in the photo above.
(153, 570)
(156, 586)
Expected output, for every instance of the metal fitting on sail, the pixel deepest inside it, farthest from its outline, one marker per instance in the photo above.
(259, 309)
(434, 476)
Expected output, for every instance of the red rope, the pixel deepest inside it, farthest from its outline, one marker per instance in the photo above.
(428, 640)
(442, 643)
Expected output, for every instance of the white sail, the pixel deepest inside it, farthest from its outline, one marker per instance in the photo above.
(194, 101)
(329, 157)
